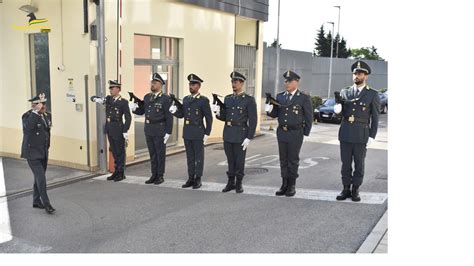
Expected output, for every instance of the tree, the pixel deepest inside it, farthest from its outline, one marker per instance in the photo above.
(323, 45)
(274, 44)
(369, 53)
(344, 52)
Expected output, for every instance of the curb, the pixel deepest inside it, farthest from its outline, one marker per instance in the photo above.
(375, 236)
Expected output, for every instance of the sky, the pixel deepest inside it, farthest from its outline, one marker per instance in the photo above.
(362, 23)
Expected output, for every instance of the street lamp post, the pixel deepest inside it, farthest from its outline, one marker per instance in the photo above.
(330, 61)
(338, 23)
(277, 66)
(277, 49)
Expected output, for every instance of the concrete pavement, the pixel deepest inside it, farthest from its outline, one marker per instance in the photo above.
(102, 216)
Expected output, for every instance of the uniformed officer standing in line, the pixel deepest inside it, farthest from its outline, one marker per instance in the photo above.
(240, 117)
(194, 110)
(360, 107)
(116, 108)
(35, 148)
(158, 126)
(295, 119)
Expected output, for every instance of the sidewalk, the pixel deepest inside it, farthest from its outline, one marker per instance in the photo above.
(19, 178)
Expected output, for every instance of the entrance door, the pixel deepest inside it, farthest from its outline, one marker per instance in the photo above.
(244, 62)
(154, 54)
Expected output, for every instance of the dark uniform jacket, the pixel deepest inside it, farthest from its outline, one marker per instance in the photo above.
(36, 135)
(195, 109)
(360, 115)
(158, 119)
(240, 117)
(294, 117)
(114, 109)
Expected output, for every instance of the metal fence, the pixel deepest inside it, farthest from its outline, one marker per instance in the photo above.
(314, 72)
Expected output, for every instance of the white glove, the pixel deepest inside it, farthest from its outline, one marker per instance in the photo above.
(268, 107)
(98, 100)
(133, 106)
(166, 137)
(337, 108)
(245, 144)
(370, 141)
(125, 136)
(215, 108)
(205, 139)
(173, 109)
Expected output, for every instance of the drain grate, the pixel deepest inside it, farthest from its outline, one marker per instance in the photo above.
(381, 176)
(255, 171)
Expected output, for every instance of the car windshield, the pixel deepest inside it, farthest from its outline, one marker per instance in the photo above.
(329, 102)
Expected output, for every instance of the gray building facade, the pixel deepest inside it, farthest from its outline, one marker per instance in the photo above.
(314, 72)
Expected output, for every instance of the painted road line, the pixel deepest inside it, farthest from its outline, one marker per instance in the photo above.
(308, 194)
(5, 228)
(376, 145)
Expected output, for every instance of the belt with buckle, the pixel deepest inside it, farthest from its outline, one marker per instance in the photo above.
(287, 128)
(148, 121)
(113, 120)
(189, 122)
(235, 124)
(352, 119)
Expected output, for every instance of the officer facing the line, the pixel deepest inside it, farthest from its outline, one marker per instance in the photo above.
(359, 106)
(35, 148)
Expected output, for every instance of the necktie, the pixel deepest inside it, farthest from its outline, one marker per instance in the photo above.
(288, 96)
(44, 121)
(153, 97)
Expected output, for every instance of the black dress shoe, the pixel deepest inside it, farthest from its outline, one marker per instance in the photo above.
(38, 205)
(120, 177)
(230, 184)
(189, 183)
(238, 185)
(159, 180)
(112, 177)
(291, 190)
(345, 193)
(49, 209)
(151, 180)
(197, 183)
(283, 188)
(355, 193)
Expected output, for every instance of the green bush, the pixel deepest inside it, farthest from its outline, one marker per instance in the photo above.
(316, 101)
(382, 90)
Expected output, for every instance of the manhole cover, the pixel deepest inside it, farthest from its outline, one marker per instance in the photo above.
(381, 176)
(255, 171)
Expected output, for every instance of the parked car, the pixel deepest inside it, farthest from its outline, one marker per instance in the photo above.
(325, 112)
(383, 96)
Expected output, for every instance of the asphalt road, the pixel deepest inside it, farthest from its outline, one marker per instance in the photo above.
(106, 217)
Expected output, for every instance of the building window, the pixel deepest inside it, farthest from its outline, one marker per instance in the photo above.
(39, 66)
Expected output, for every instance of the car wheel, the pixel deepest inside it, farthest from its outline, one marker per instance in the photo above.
(385, 109)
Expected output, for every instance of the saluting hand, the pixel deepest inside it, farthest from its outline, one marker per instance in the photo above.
(268, 107)
(133, 106)
(173, 109)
